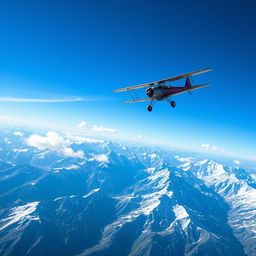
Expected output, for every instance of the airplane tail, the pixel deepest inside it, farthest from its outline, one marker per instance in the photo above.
(189, 87)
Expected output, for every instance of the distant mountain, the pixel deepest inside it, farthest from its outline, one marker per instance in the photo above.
(120, 200)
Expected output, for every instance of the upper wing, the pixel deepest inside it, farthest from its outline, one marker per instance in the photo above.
(174, 78)
(192, 88)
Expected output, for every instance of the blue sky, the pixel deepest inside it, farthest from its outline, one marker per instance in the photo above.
(57, 50)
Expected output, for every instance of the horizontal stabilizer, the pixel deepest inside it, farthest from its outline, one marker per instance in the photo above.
(192, 88)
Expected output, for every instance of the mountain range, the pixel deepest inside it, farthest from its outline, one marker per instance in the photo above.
(63, 194)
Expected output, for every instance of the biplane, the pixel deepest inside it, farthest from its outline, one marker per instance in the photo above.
(160, 90)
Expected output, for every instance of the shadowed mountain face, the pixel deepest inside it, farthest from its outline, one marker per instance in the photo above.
(122, 201)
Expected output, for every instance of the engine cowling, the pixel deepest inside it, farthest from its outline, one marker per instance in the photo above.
(150, 92)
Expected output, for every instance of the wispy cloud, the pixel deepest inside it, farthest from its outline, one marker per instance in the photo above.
(213, 148)
(38, 100)
(83, 124)
(5, 118)
(96, 128)
(81, 139)
(103, 129)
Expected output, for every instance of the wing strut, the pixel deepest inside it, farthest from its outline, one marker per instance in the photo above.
(132, 95)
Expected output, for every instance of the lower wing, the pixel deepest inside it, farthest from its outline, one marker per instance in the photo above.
(192, 88)
(134, 101)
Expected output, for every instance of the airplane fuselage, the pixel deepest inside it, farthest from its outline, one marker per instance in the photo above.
(163, 91)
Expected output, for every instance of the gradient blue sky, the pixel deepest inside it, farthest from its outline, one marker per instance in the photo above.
(67, 49)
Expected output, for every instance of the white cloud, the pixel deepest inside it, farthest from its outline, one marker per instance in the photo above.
(101, 158)
(37, 100)
(83, 125)
(69, 152)
(209, 147)
(184, 159)
(18, 134)
(237, 162)
(54, 142)
(103, 129)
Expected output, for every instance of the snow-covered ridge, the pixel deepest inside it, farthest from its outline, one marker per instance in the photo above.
(20, 214)
(20, 150)
(92, 192)
(182, 219)
(239, 195)
(158, 181)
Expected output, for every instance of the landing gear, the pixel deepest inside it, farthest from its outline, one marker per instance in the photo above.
(150, 108)
(173, 104)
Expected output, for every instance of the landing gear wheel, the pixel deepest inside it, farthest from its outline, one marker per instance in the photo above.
(149, 108)
(173, 104)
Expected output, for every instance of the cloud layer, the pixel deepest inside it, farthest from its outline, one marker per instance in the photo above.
(54, 142)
